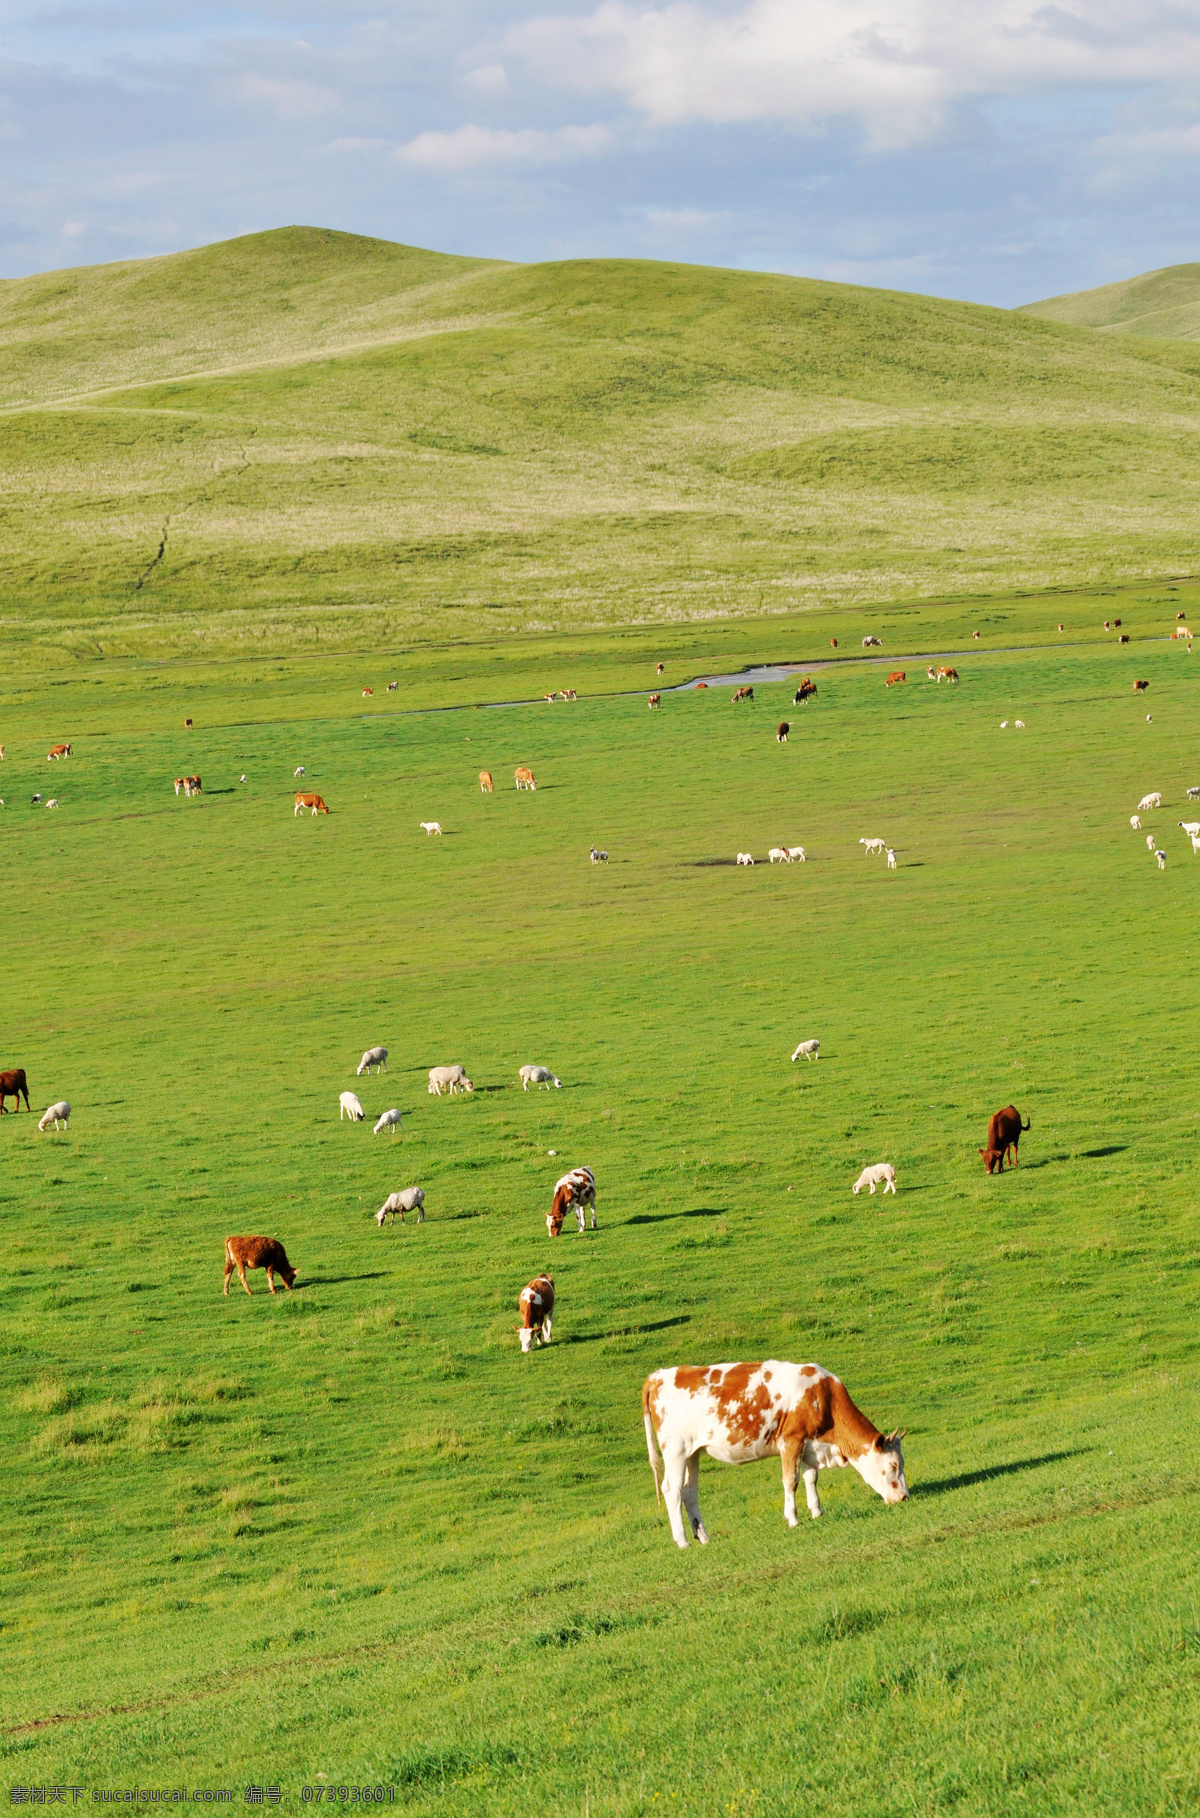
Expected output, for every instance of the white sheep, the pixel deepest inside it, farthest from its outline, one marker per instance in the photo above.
(810, 1051)
(1195, 844)
(55, 1114)
(1151, 801)
(389, 1121)
(1003, 724)
(891, 859)
(1149, 842)
(298, 771)
(431, 826)
(745, 858)
(1194, 793)
(1191, 828)
(1135, 821)
(1019, 724)
(797, 852)
(1162, 860)
(454, 1079)
(412, 1198)
(872, 848)
(53, 802)
(538, 1076)
(780, 855)
(374, 1057)
(881, 1175)
(351, 1108)
(599, 858)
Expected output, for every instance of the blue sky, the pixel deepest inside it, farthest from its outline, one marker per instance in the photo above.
(996, 150)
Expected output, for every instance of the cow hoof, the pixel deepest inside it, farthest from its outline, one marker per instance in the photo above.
(702, 1534)
(816, 1514)
(682, 1543)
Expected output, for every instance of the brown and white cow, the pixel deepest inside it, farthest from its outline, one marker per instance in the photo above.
(805, 693)
(523, 777)
(574, 1191)
(1140, 687)
(654, 701)
(315, 802)
(743, 694)
(537, 1311)
(57, 751)
(658, 669)
(946, 675)
(486, 786)
(191, 785)
(12, 1085)
(367, 693)
(741, 1411)
(781, 732)
(897, 675)
(1004, 1133)
(242, 1253)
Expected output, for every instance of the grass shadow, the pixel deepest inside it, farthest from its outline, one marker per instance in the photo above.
(334, 1281)
(656, 1325)
(231, 791)
(662, 1218)
(965, 1479)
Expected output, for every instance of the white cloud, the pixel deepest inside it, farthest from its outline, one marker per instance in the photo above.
(488, 79)
(894, 66)
(473, 147)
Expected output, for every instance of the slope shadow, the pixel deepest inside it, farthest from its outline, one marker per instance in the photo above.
(657, 1325)
(965, 1479)
(1044, 1161)
(220, 792)
(661, 1218)
(1111, 1149)
(333, 1281)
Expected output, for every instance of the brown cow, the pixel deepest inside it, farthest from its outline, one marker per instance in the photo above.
(367, 693)
(242, 1253)
(523, 777)
(658, 669)
(897, 675)
(1140, 687)
(1116, 624)
(743, 694)
(946, 675)
(315, 802)
(486, 786)
(191, 785)
(700, 685)
(1123, 638)
(807, 691)
(187, 725)
(57, 751)
(781, 736)
(655, 700)
(12, 1085)
(1004, 1133)
(833, 643)
(536, 1304)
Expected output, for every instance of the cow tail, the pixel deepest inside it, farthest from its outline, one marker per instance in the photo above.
(650, 1446)
(1027, 1125)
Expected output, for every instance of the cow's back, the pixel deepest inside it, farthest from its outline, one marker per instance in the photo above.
(734, 1411)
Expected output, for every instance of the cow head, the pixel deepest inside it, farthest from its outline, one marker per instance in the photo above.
(881, 1467)
(527, 1336)
(993, 1158)
(288, 1274)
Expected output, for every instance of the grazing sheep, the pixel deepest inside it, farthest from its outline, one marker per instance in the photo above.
(868, 642)
(536, 1306)
(299, 770)
(350, 1107)
(1190, 827)
(1149, 842)
(1195, 841)
(1194, 793)
(1135, 821)
(810, 1050)
(1151, 801)
(1020, 725)
(538, 1076)
(454, 1079)
(599, 858)
(872, 848)
(780, 855)
(389, 1121)
(374, 1057)
(53, 802)
(55, 1114)
(411, 1199)
(797, 852)
(1003, 724)
(431, 826)
(745, 858)
(392, 687)
(1162, 860)
(891, 859)
(881, 1175)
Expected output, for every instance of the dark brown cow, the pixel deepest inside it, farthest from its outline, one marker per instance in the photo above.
(1004, 1133)
(1124, 638)
(12, 1085)
(1140, 687)
(242, 1253)
(833, 643)
(781, 736)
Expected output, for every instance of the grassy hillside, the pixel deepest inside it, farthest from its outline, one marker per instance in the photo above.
(304, 441)
(350, 1536)
(1164, 304)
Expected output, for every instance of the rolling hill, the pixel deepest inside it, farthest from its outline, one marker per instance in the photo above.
(304, 438)
(1163, 304)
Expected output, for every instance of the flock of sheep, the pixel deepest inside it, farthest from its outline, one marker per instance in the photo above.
(1154, 800)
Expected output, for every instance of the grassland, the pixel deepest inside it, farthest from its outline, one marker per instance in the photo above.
(307, 442)
(350, 1536)
(1163, 305)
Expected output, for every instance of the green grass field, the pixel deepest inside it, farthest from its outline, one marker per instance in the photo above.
(350, 1536)
(308, 442)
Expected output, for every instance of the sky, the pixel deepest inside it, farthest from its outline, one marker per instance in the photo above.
(993, 150)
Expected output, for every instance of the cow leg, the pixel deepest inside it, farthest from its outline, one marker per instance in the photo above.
(790, 1457)
(810, 1492)
(582, 1220)
(593, 1215)
(674, 1467)
(691, 1497)
(228, 1271)
(420, 1215)
(270, 1278)
(547, 1328)
(241, 1269)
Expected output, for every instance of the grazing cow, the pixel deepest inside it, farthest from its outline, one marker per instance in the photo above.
(880, 1174)
(374, 1057)
(242, 1253)
(897, 676)
(187, 725)
(932, 673)
(658, 669)
(599, 858)
(737, 1412)
(1181, 631)
(409, 1200)
(575, 1190)
(12, 1085)
(431, 826)
(1140, 687)
(1162, 860)
(392, 687)
(1, 754)
(872, 642)
(975, 634)
(745, 858)
(536, 1305)
(34, 798)
(192, 785)
(891, 859)
(178, 784)
(569, 694)
(806, 692)
(1181, 615)
(454, 1079)
(797, 852)
(947, 675)
(1151, 801)
(55, 1114)
(745, 693)
(1060, 628)
(1004, 1133)
(1116, 624)
(367, 692)
(1135, 821)
(833, 643)
(1107, 626)
(351, 1107)
(315, 802)
(57, 751)
(524, 777)
(538, 1076)
(780, 855)
(654, 701)
(700, 685)
(1149, 842)
(390, 1120)
(486, 786)
(810, 1050)
(781, 733)
(1123, 638)
(872, 848)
